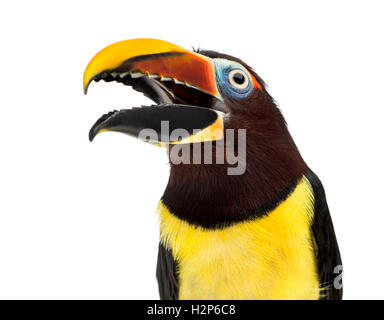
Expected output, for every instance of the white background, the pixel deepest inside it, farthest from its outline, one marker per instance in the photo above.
(77, 220)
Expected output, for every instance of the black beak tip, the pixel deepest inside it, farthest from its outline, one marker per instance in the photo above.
(103, 123)
(91, 136)
(94, 131)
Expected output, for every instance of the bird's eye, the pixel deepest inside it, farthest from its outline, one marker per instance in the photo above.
(238, 78)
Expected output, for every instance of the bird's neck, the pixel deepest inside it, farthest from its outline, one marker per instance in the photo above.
(205, 195)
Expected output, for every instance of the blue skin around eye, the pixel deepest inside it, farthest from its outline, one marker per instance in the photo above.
(223, 67)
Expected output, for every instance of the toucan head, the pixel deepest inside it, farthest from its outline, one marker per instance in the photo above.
(200, 92)
(203, 93)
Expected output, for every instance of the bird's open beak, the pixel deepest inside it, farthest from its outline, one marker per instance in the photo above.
(181, 82)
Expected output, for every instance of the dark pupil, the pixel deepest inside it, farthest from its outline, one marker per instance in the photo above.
(238, 78)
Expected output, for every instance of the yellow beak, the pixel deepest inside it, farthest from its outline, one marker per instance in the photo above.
(157, 58)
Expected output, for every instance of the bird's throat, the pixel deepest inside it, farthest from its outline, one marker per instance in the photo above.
(205, 195)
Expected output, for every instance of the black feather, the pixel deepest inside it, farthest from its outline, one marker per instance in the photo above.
(328, 255)
(166, 275)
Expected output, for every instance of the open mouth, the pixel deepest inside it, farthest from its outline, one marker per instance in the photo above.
(181, 83)
(162, 89)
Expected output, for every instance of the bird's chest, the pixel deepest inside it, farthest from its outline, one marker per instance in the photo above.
(248, 268)
(267, 258)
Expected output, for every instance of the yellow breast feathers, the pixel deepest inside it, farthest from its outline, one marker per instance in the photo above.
(271, 257)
